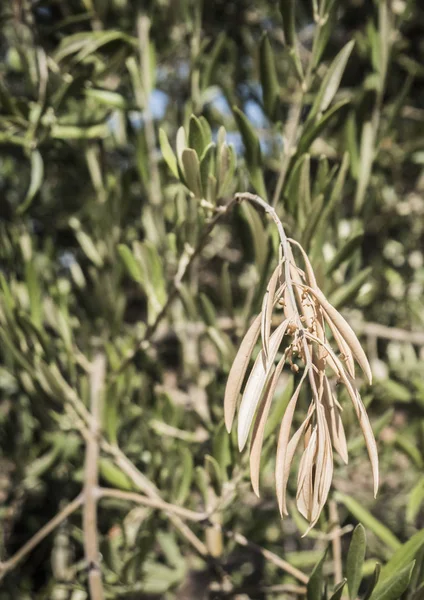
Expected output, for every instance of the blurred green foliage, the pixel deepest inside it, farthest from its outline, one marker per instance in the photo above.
(125, 128)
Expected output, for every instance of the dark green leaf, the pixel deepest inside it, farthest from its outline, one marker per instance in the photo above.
(268, 73)
(114, 476)
(369, 521)
(394, 586)
(207, 164)
(344, 294)
(196, 139)
(250, 140)
(345, 252)
(191, 169)
(131, 265)
(402, 557)
(338, 590)
(331, 82)
(316, 581)
(168, 153)
(355, 559)
(37, 175)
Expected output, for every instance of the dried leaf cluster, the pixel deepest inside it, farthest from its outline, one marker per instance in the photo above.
(307, 318)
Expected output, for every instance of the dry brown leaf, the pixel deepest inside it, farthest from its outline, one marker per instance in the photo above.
(267, 307)
(281, 463)
(346, 331)
(343, 347)
(309, 270)
(306, 311)
(259, 427)
(255, 385)
(304, 496)
(360, 413)
(334, 421)
(238, 371)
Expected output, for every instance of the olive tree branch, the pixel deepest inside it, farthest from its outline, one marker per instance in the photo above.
(42, 533)
(91, 542)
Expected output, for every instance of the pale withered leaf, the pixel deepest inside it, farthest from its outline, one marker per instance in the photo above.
(334, 421)
(282, 463)
(343, 347)
(304, 496)
(238, 371)
(360, 412)
(309, 270)
(259, 427)
(267, 306)
(256, 383)
(346, 331)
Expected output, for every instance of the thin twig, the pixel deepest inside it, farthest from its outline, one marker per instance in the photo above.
(146, 486)
(91, 543)
(155, 503)
(14, 560)
(274, 558)
(390, 333)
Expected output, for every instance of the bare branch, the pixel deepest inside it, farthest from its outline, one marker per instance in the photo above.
(14, 560)
(91, 542)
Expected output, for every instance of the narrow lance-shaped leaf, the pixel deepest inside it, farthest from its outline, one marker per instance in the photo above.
(253, 153)
(345, 252)
(395, 586)
(361, 413)
(346, 331)
(331, 82)
(343, 347)
(313, 129)
(250, 139)
(37, 175)
(267, 306)
(259, 428)
(350, 290)
(227, 183)
(168, 153)
(338, 590)
(130, 262)
(355, 560)
(366, 159)
(238, 371)
(315, 583)
(287, 9)
(402, 557)
(374, 580)
(334, 420)
(181, 145)
(283, 458)
(304, 496)
(312, 219)
(255, 385)
(369, 521)
(268, 73)
(304, 191)
(196, 139)
(191, 168)
(207, 164)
